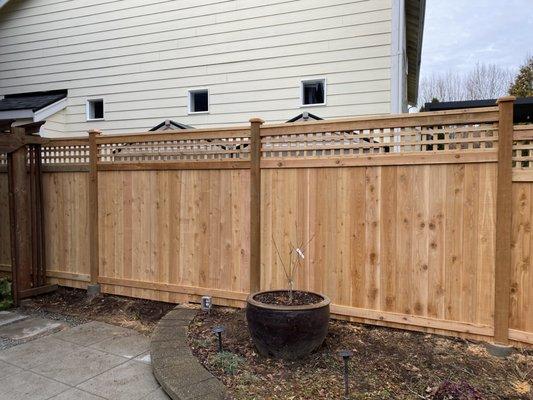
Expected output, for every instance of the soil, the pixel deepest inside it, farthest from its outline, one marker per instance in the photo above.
(141, 315)
(386, 364)
(283, 298)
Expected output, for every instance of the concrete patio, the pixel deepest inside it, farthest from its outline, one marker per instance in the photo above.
(91, 361)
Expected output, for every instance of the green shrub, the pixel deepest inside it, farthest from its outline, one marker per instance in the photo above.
(6, 300)
(228, 362)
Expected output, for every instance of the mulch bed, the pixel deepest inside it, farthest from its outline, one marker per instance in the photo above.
(141, 315)
(386, 364)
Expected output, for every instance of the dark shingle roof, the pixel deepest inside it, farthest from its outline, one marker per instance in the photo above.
(170, 125)
(304, 117)
(31, 101)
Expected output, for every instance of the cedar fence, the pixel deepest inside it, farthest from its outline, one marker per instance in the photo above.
(418, 221)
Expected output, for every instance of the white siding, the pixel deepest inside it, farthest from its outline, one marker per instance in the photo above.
(142, 56)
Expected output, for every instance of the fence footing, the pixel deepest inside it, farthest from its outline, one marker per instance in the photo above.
(499, 350)
(93, 291)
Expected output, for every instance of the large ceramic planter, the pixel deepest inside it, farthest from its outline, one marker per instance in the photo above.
(287, 332)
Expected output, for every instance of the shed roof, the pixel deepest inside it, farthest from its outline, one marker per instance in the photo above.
(523, 107)
(168, 124)
(36, 105)
(31, 101)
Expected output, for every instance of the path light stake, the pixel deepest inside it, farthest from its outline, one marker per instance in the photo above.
(218, 331)
(346, 354)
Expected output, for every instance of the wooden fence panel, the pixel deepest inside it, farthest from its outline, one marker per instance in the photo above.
(174, 235)
(521, 270)
(65, 202)
(411, 240)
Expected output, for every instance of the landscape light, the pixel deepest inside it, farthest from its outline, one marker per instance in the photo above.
(217, 330)
(346, 354)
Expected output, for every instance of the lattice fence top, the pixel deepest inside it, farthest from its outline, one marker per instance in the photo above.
(68, 152)
(453, 133)
(198, 146)
(438, 138)
(523, 147)
(444, 132)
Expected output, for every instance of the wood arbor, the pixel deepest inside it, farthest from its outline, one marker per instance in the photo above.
(25, 210)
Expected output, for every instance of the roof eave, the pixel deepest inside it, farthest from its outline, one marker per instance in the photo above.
(415, 18)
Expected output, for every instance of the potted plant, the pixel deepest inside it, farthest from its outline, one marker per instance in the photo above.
(288, 324)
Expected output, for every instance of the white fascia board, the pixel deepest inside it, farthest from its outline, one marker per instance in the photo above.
(51, 109)
(16, 114)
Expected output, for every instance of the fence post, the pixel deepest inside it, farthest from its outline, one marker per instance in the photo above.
(255, 204)
(19, 213)
(502, 278)
(94, 288)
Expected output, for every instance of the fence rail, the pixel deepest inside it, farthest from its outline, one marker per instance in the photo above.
(402, 212)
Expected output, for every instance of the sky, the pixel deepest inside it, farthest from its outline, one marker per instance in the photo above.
(459, 33)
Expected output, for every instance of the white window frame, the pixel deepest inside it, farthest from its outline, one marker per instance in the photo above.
(189, 100)
(314, 79)
(88, 110)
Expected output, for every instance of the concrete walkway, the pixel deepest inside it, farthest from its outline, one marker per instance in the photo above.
(92, 361)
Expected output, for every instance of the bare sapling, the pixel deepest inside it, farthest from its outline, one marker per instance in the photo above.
(294, 262)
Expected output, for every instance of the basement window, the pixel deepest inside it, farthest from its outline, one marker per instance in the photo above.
(198, 101)
(95, 109)
(313, 92)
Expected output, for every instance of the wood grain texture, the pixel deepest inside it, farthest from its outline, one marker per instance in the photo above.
(66, 210)
(412, 240)
(503, 221)
(521, 307)
(181, 228)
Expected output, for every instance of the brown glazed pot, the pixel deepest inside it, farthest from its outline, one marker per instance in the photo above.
(287, 332)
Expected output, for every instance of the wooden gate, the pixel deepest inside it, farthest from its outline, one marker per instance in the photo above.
(28, 267)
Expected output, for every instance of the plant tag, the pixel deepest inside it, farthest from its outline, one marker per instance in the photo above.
(300, 253)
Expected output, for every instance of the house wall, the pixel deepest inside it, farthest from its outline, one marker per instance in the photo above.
(251, 54)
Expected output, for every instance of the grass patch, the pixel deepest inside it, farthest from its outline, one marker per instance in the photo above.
(228, 362)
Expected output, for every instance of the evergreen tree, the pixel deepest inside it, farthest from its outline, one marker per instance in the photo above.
(523, 83)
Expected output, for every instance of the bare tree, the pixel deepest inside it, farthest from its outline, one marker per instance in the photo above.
(484, 81)
(487, 81)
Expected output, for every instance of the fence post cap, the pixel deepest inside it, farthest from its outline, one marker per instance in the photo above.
(505, 99)
(94, 131)
(256, 120)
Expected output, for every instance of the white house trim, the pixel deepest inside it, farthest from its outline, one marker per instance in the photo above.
(310, 79)
(88, 109)
(397, 57)
(189, 100)
(49, 110)
(16, 114)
